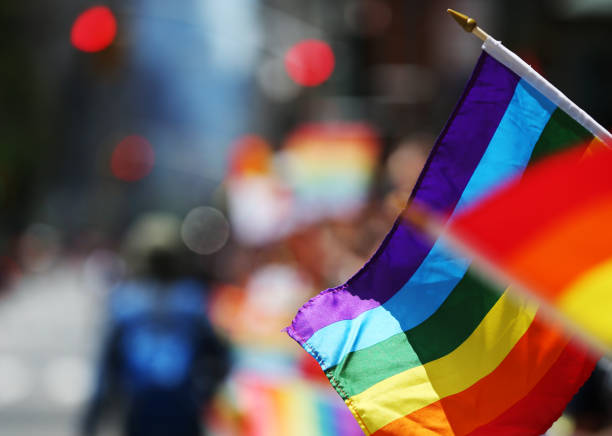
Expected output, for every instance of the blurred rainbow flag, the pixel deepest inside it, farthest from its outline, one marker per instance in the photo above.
(551, 232)
(415, 343)
(293, 408)
(323, 171)
(329, 167)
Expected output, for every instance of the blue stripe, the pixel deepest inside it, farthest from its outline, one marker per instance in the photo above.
(507, 154)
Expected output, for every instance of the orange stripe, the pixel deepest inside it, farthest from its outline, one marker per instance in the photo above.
(428, 421)
(519, 372)
(595, 146)
(565, 249)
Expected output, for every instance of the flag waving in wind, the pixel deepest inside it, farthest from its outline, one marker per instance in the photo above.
(415, 343)
(550, 232)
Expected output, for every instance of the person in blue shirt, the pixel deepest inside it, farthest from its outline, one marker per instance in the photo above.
(161, 361)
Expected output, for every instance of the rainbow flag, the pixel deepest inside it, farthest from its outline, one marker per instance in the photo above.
(550, 232)
(329, 168)
(415, 343)
(291, 408)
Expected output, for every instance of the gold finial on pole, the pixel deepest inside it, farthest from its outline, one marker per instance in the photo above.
(468, 24)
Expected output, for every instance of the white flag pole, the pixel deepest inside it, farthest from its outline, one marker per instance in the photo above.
(523, 70)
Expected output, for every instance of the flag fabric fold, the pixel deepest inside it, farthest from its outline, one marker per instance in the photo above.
(415, 343)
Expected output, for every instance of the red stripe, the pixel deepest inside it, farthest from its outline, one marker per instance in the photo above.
(518, 212)
(564, 251)
(527, 363)
(536, 412)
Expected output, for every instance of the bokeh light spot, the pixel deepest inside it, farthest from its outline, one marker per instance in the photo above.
(132, 159)
(310, 62)
(205, 230)
(94, 29)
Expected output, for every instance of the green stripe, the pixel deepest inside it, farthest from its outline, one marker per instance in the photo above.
(458, 316)
(441, 333)
(561, 132)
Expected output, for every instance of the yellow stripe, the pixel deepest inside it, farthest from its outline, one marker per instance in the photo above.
(477, 357)
(301, 418)
(588, 301)
(280, 422)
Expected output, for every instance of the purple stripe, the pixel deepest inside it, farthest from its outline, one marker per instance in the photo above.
(451, 163)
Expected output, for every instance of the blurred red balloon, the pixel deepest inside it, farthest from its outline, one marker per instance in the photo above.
(94, 29)
(310, 62)
(132, 159)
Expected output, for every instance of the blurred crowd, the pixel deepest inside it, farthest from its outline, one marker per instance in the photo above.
(178, 178)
